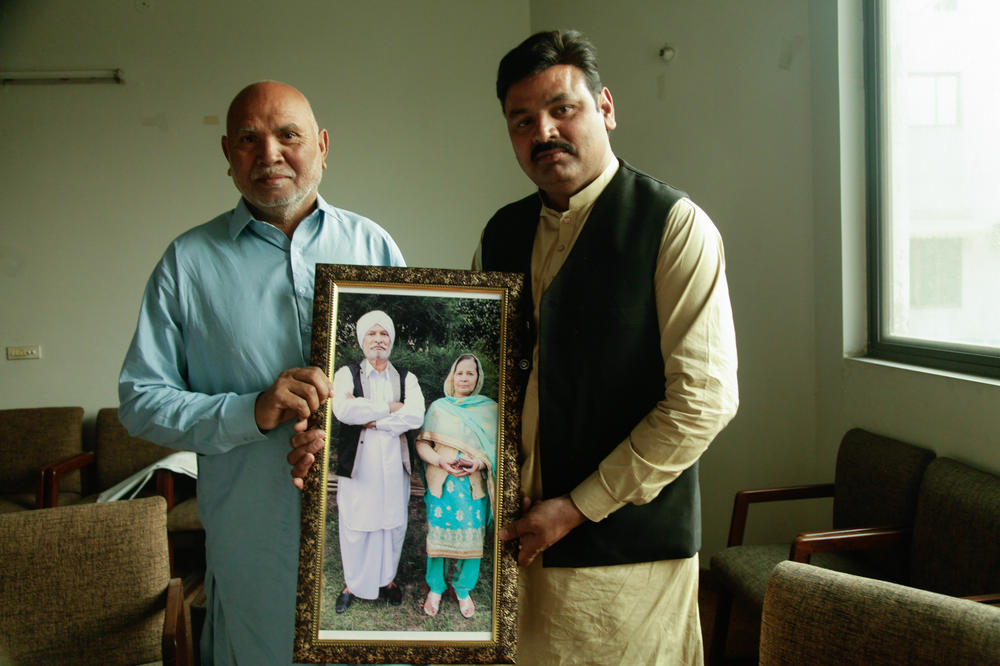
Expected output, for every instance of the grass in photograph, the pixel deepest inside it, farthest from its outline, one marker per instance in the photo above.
(379, 615)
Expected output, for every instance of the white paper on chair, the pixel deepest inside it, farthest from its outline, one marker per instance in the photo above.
(182, 462)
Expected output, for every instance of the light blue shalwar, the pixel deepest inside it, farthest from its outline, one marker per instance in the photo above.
(226, 310)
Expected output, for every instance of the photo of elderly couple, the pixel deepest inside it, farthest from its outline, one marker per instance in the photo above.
(411, 484)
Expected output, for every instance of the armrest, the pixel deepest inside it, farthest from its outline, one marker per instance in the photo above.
(991, 599)
(863, 538)
(47, 486)
(165, 486)
(745, 498)
(176, 643)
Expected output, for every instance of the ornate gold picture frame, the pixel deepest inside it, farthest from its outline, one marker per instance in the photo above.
(436, 317)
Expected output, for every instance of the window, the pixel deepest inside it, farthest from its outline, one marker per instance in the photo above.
(932, 99)
(935, 273)
(933, 151)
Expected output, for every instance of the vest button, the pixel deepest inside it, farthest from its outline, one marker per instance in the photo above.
(524, 364)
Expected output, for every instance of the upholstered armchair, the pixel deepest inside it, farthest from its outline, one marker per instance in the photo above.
(30, 439)
(116, 456)
(953, 547)
(820, 617)
(876, 483)
(90, 584)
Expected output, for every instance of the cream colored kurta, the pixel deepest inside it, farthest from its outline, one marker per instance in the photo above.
(643, 613)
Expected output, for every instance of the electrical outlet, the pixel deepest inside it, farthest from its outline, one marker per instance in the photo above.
(24, 353)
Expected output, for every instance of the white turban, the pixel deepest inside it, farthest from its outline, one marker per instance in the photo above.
(370, 319)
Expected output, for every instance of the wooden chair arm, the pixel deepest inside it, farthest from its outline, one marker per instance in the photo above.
(991, 599)
(165, 486)
(863, 538)
(47, 485)
(176, 642)
(744, 498)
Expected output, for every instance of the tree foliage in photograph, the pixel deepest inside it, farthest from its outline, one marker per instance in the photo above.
(431, 332)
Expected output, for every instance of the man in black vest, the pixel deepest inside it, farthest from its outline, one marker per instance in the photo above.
(633, 373)
(380, 407)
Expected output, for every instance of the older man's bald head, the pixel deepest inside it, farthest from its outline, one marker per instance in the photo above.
(267, 91)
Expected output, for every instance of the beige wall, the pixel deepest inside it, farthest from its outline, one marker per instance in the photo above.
(97, 179)
(748, 118)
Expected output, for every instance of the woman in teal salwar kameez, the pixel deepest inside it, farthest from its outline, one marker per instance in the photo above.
(458, 444)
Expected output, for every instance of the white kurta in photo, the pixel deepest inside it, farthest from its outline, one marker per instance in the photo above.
(372, 504)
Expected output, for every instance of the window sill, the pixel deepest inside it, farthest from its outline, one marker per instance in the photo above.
(922, 370)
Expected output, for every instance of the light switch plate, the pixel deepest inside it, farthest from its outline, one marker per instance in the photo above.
(24, 353)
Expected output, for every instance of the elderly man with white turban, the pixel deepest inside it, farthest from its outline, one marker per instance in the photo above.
(380, 407)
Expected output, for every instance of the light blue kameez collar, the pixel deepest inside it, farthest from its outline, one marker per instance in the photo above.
(241, 217)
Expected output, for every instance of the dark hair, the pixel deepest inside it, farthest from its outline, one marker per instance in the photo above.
(546, 49)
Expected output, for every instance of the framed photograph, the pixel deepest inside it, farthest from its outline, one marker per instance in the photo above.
(400, 560)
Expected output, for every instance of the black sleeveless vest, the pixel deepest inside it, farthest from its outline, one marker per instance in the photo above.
(600, 367)
(348, 435)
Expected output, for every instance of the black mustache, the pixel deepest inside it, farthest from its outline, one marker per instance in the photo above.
(552, 145)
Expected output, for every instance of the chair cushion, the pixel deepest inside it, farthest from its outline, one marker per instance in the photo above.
(18, 502)
(83, 583)
(184, 517)
(12, 503)
(744, 570)
(956, 535)
(33, 438)
(22, 501)
(817, 617)
(877, 480)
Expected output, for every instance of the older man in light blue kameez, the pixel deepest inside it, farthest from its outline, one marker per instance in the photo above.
(217, 364)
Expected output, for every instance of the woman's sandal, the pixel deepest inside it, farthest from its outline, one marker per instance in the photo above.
(432, 604)
(466, 607)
